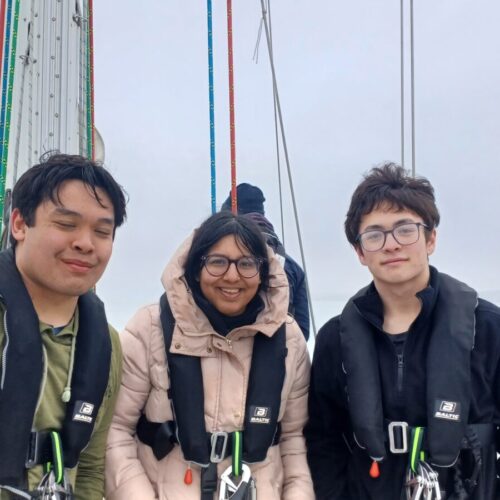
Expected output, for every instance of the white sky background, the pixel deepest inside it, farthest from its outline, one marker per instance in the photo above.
(338, 71)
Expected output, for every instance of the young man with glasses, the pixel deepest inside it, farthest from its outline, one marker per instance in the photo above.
(404, 397)
(60, 360)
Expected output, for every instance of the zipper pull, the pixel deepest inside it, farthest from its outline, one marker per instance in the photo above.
(188, 476)
(374, 470)
(401, 364)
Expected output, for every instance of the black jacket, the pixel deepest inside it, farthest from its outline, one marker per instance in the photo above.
(340, 469)
(299, 305)
(298, 301)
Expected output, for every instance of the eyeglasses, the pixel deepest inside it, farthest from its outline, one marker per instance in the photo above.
(218, 265)
(404, 234)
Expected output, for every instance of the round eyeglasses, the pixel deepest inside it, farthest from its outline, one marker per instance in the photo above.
(218, 265)
(405, 234)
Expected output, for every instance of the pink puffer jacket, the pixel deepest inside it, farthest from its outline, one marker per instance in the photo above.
(132, 472)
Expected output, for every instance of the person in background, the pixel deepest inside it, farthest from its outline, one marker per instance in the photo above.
(60, 361)
(405, 384)
(215, 379)
(251, 204)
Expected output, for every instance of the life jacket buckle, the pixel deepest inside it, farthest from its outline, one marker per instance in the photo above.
(34, 452)
(218, 445)
(398, 437)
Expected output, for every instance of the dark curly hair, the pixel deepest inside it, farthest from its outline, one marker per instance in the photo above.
(43, 181)
(391, 185)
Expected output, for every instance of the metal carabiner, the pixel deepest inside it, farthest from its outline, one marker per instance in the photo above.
(414, 486)
(418, 487)
(426, 481)
(228, 489)
(434, 478)
(49, 489)
(430, 481)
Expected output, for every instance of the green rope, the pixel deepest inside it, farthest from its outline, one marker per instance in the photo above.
(416, 447)
(237, 453)
(10, 88)
(57, 455)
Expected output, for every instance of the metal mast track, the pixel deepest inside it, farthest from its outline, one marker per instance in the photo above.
(46, 84)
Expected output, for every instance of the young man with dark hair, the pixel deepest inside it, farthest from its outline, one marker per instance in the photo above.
(405, 389)
(251, 204)
(60, 362)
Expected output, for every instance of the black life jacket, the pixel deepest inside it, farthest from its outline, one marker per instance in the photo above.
(23, 370)
(267, 375)
(448, 373)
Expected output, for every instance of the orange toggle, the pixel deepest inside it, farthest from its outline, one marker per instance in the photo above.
(374, 470)
(188, 476)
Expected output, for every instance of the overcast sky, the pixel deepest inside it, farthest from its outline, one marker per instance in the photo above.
(338, 72)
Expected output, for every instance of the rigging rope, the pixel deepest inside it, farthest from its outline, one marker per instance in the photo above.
(402, 87)
(7, 92)
(211, 99)
(287, 160)
(278, 156)
(5, 74)
(26, 60)
(255, 56)
(2, 27)
(413, 152)
(234, 201)
(90, 82)
(81, 20)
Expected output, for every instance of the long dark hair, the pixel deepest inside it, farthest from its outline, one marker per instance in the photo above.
(216, 227)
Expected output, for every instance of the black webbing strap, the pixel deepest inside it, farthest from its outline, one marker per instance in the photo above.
(162, 437)
(208, 482)
(401, 434)
(39, 449)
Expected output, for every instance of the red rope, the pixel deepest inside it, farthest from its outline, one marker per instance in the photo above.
(91, 69)
(234, 201)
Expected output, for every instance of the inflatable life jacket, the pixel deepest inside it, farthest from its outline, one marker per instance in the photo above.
(22, 370)
(448, 374)
(261, 427)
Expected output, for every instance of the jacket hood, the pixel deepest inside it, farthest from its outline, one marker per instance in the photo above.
(191, 320)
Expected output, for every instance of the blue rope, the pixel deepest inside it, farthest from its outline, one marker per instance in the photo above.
(212, 105)
(3, 111)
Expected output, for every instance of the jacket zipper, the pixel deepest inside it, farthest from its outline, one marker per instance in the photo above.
(401, 365)
(45, 367)
(4, 353)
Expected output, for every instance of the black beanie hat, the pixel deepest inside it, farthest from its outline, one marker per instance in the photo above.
(250, 199)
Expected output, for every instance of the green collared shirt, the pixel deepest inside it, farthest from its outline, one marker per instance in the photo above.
(87, 477)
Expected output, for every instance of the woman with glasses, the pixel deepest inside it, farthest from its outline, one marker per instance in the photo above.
(215, 379)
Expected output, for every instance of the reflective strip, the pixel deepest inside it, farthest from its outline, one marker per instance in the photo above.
(237, 448)
(57, 455)
(417, 436)
(17, 492)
